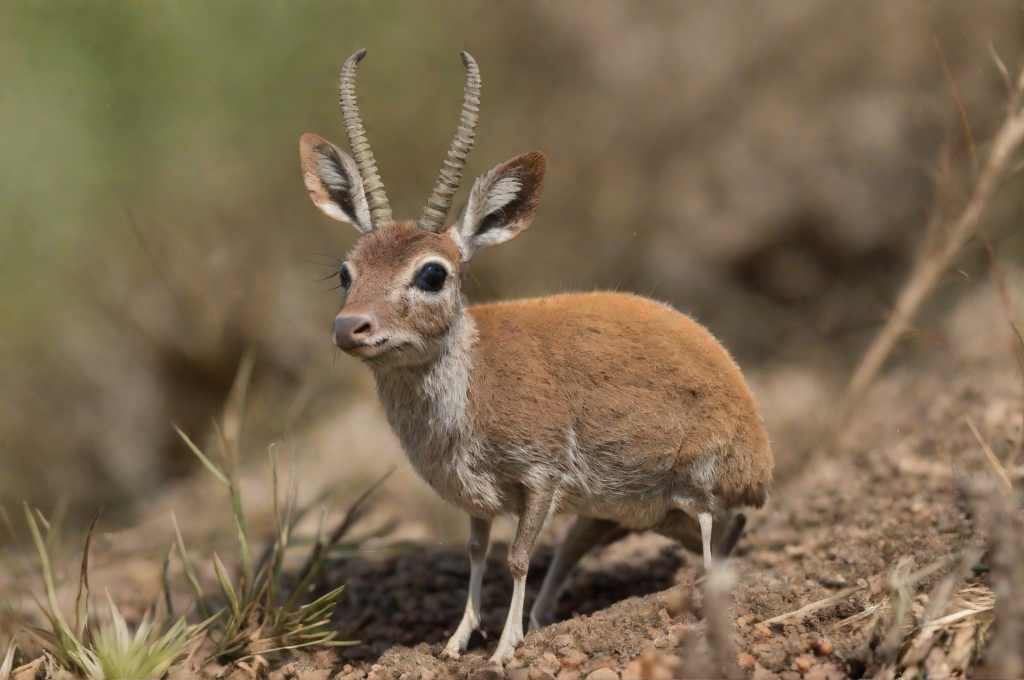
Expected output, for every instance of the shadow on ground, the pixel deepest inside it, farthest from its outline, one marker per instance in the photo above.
(419, 595)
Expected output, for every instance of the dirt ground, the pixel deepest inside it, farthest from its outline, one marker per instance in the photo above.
(884, 521)
(892, 551)
(835, 532)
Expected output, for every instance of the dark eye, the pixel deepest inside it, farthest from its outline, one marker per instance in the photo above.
(346, 277)
(431, 278)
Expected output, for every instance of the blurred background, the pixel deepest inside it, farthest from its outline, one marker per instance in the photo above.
(769, 168)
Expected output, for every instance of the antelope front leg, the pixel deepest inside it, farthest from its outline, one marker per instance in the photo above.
(479, 544)
(538, 507)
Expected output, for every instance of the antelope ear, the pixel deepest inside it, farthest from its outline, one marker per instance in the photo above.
(332, 179)
(501, 204)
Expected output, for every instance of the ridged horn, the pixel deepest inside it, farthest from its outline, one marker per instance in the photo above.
(380, 210)
(440, 202)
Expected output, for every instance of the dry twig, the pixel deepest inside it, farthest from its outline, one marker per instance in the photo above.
(933, 262)
(996, 465)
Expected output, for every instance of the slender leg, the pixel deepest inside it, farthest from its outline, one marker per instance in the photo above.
(584, 534)
(538, 507)
(681, 527)
(705, 536)
(730, 535)
(479, 543)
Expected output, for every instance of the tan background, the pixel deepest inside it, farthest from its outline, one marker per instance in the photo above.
(767, 167)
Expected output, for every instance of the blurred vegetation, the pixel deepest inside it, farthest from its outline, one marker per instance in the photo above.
(763, 166)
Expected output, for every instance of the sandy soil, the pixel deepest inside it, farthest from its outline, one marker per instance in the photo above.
(857, 532)
(868, 561)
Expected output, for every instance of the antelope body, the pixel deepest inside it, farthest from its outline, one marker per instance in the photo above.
(611, 407)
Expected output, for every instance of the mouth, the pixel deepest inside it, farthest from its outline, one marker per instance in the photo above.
(374, 349)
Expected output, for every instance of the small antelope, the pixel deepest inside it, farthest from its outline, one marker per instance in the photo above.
(611, 407)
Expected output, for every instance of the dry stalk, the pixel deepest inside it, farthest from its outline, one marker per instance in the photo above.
(932, 263)
(1011, 318)
(996, 465)
(718, 607)
(806, 610)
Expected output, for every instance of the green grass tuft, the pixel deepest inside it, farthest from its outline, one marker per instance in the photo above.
(264, 609)
(108, 650)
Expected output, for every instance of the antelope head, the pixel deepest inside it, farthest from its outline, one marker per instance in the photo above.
(403, 302)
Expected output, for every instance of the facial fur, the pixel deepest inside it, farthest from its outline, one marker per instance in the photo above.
(410, 324)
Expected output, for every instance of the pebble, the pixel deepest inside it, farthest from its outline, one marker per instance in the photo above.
(564, 640)
(677, 603)
(746, 661)
(803, 662)
(603, 674)
(572, 657)
(634, 670)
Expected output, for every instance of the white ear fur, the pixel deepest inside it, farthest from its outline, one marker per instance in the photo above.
(501, 204)
(333, 182)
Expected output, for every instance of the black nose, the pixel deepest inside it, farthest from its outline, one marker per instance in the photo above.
(352, 330)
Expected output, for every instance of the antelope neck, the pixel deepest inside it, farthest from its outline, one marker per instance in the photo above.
(432, 396)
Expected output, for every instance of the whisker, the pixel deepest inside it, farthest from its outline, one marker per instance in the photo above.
(329, 276)
(332, 260)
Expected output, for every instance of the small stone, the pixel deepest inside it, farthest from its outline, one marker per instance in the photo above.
(678, 603)
(568, 674)
(29, 671)
(519, 674)
(824, 671)
(763, 630)
(634, 670)
(548, 663)
(539, 674)
(746, 661)
(571, 658)
(603, 674)
(564, 640)
(824, 646)
(489, 673)
(803, 662)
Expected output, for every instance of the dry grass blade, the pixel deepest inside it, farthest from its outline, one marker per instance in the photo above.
(933, 262)
(62, 631)
(955, 92)
(207, 463)
(82, 599)
(317, 557)
(901, 593)
(190, 572)
(8, 663)
(266, 612)
(225, 584)
(1011, 318)
(955, 632)
(812, 607)
(989, 454)
(165, 580)
(1004, 72)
